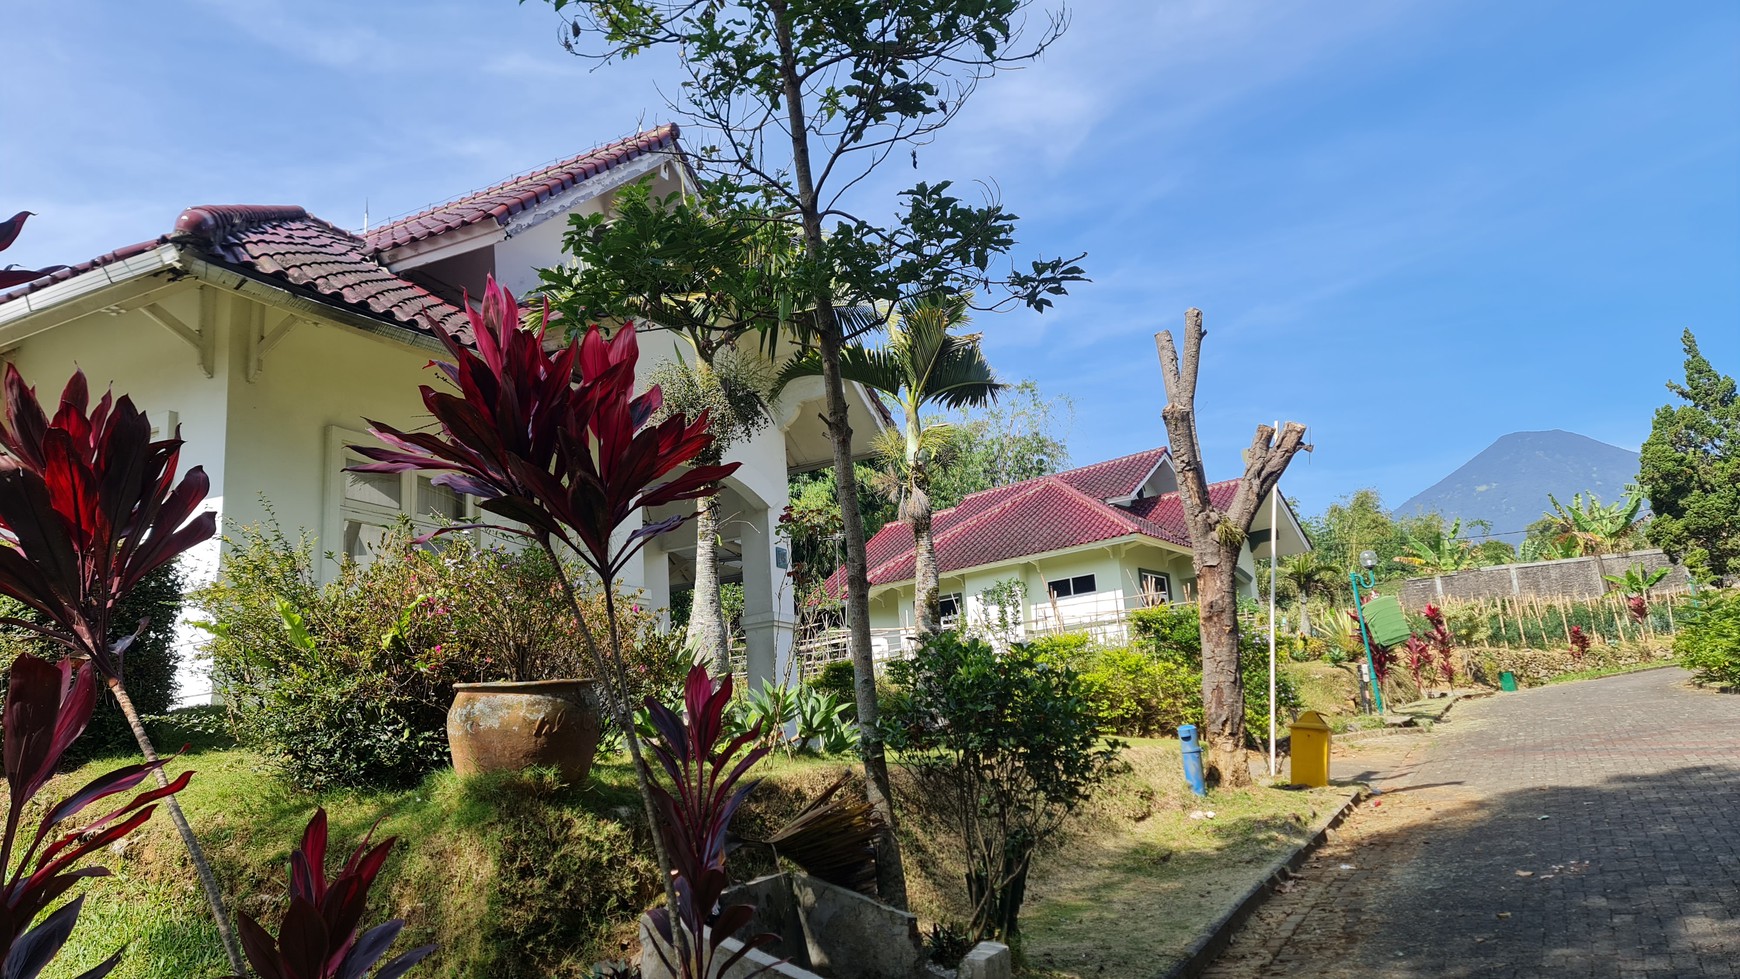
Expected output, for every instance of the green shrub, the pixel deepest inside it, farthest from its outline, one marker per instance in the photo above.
(348, 683)
(1708, 642)
(1007, 744)
(151, 663)
(1155, 684)
(838, 678)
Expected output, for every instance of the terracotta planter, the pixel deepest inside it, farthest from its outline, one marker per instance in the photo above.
(507, 727)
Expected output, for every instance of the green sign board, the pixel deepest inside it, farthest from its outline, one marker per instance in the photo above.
(1385, 622)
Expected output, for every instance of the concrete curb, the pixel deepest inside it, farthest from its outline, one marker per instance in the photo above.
(1208, 947)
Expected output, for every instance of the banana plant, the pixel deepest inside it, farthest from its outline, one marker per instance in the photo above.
(1439, 551)
(1636, 581)
(1589, 527)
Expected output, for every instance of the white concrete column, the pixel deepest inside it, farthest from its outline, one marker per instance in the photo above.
(769, 610)
(656, 572)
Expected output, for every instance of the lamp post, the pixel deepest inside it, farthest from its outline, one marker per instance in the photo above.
(1367, 560)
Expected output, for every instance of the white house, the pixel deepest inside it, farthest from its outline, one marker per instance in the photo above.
(1074, 551)
(268, 335)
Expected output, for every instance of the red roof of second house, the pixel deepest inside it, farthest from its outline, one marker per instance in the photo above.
(515, 194)
(1039, 516)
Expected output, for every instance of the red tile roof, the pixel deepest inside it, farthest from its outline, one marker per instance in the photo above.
(1038, 516)
(514, 195)
(1114, 478)
(287, 243)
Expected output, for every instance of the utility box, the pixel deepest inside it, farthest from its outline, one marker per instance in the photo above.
(1309, 754)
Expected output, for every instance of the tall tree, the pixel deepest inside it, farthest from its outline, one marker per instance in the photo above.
(715, 272)
(923, 364)
(1690, 469)
(1216, 538)
(1019, 436)
(806, 99)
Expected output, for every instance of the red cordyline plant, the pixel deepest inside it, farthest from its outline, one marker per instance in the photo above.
(1382, 657)
(1638, 606)
(1443, 643)
(558, 442)
(89, 506)
(47, 708)
(318, 938)
(1579, 643)
(1417, 655)
(705, 766)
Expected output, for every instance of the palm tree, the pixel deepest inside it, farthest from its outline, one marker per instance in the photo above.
(1307, 575)
(923, 364)
(735, 391)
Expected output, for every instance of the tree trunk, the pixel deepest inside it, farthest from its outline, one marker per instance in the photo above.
(1217, 538)
(708, 636)
(1223, 689)
(927, 586)
(1305, 617)
(890, 876)
(207, 881)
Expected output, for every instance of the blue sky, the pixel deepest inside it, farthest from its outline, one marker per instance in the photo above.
(1413, 227)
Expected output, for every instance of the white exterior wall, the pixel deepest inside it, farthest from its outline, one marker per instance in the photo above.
(163, 375)
(1115, 568)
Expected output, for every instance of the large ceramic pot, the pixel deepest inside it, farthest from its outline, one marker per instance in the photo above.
(501, 727)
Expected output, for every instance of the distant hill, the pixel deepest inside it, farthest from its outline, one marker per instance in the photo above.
(1508, 482)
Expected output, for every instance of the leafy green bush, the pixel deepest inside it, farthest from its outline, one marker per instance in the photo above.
(1154, 685)
(1007, 745)
(1708, 643)
(151, 663)
(838, 678)
(348, 683)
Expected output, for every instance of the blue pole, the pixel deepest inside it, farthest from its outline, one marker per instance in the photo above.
(1192, 751)
(1377, 692)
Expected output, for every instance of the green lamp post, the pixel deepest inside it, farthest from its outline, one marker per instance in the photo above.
(1367, 580)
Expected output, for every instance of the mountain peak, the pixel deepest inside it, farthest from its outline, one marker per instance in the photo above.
(1509, 481)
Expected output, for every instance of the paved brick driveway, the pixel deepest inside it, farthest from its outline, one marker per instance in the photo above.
(1588, 829)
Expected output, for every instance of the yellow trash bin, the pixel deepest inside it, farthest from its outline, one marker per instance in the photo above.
(1309, 753)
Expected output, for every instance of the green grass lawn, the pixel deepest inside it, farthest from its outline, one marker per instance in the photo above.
(519, 877)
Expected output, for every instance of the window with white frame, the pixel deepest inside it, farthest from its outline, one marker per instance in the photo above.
(1081, 584)
(1155, 586)
(363, 507)
(949, 609)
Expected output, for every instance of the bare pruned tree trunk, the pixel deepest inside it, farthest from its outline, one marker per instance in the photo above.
(708, 636)
(1216, 538)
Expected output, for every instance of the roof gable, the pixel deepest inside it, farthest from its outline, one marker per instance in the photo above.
(289, 244)
(1115, 478)
(502, 201)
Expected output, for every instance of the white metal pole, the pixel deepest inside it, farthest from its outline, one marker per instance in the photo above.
(1274, 558)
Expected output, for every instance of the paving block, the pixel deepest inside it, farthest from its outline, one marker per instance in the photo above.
(988, 960)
